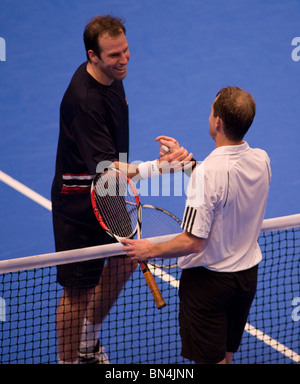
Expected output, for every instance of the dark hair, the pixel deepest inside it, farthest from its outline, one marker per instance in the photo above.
(236, 108)
(97, 27)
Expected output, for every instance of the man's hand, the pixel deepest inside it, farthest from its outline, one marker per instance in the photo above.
(177, 159)
(143, 250)
(138, 250)
(169, 142)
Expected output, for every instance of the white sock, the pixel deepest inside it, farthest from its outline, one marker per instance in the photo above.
(89, 336)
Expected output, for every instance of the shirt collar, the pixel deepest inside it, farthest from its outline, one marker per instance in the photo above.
(230, 149)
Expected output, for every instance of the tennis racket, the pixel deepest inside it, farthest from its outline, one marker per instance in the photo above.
(117, 207)
(159, 222)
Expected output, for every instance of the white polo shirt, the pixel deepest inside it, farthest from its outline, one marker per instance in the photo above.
(226, 202)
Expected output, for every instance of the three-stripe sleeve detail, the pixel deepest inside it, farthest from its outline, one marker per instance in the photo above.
(189, 219)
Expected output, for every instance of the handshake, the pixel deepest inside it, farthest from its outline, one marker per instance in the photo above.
(173, 158)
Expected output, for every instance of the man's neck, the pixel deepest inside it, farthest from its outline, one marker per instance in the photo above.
(97, 75)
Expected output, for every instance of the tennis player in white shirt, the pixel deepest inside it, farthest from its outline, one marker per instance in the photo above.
(218, 250)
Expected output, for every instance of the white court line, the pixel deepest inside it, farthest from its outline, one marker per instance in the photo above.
(272, 343)
(25, 191)
(159, 273)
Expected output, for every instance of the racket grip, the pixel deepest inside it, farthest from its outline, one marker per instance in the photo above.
(160, 303)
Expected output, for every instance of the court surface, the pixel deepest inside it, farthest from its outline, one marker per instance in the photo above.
(182, 53)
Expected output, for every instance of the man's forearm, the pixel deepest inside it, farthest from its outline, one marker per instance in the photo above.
(181, 245)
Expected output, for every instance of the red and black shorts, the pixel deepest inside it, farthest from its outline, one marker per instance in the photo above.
(213, 311)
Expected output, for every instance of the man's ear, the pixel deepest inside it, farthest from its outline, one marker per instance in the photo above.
(93, 57)
(219, 123)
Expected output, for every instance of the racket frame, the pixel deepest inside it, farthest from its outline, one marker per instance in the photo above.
(160, 303)
(98, 214)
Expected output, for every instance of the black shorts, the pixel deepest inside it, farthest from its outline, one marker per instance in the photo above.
(213, 312)
(71, 236)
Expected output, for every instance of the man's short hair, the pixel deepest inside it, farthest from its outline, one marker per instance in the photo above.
(97, 27)
(236, 108)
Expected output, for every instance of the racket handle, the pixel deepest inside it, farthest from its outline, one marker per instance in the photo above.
(160, 302)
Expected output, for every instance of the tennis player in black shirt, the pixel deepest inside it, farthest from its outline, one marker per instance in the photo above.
(93, 129)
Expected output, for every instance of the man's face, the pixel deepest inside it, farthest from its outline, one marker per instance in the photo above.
(114, 57)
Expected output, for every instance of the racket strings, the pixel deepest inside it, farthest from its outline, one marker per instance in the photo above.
(159, 222)
(116, 204)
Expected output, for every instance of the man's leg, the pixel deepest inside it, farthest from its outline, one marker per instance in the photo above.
(69, 319)
(115, 274)
(227, 359)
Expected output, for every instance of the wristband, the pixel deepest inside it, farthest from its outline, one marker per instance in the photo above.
(148, 169)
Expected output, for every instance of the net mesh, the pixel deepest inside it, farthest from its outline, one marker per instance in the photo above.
(136, 332)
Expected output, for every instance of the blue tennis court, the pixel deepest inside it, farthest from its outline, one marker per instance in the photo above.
(182, 53)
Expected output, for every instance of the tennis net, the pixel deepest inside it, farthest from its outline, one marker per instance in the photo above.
(135, 331)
